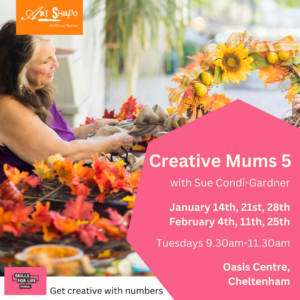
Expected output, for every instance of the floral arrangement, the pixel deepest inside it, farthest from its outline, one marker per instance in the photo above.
(232, 61)
(110, 177)
(78, 218)
(129, 111)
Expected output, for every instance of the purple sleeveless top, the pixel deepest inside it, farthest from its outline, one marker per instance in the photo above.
(59, 125)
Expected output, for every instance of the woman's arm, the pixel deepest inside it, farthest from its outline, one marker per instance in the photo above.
(83, 132)
(30, 139)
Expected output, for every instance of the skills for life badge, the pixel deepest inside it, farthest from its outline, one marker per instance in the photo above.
(25, 281)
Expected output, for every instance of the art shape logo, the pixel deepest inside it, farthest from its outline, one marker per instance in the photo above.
(57, 17)
(25, 281)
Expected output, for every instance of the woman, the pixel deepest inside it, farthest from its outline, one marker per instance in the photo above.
(31, 127)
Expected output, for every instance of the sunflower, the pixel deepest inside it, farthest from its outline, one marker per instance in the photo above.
(235, 63)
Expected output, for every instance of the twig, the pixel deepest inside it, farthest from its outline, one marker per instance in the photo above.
(48, 187)
(49, 194)
(52, 199)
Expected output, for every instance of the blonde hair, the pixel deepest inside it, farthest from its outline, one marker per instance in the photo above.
(17, 52)
(36, 44)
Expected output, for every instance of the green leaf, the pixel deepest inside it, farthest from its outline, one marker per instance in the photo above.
(290, 62)
(218, 76)
(259, 61)
(211, 71)
(251, 52)
(296, 79)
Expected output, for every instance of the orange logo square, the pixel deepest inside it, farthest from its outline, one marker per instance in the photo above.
(45, 17)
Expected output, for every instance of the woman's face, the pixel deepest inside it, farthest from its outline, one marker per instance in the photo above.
(41, 69)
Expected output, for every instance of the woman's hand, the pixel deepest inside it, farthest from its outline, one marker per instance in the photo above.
(100, 123)
(82, 132)
(119, 140)
(296, 104)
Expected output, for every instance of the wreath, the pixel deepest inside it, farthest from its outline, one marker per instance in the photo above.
(232, 61)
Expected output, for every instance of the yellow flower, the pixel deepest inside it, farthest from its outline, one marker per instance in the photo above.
(235, 63)
(42, 171)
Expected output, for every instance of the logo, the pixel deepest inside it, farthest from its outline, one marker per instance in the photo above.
(53, 17)
(39, 13)
(25, 281)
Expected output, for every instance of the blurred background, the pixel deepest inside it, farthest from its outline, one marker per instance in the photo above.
(134, 46)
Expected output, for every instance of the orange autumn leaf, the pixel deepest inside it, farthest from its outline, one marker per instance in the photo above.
(15, 230)
(169, 89)
(135, 179)
(14, 175)
(181, 104)
(78, 209)
(198, 58)
(111, 177)
(272, 74)
(50, 232)
(63, 170)
(100, 198)
(41, 212)
(33, 181)
(118, 220)
(112, 231)
(88, 233)
(219, 101)
(114, 182)
(89, 121)
(84, 173)
(121, 115)
(179, 75)
(214, 102)
(20, 213)
(21, 179)
(72, 187)
(103, 184)
(170, 110)
(288, 38)
(4, 216)
(129, 110)
(176, 100)
(62, 223)
(99, 165)
(293, 91)
(190, 93)
(178, 80)
(82, 190)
